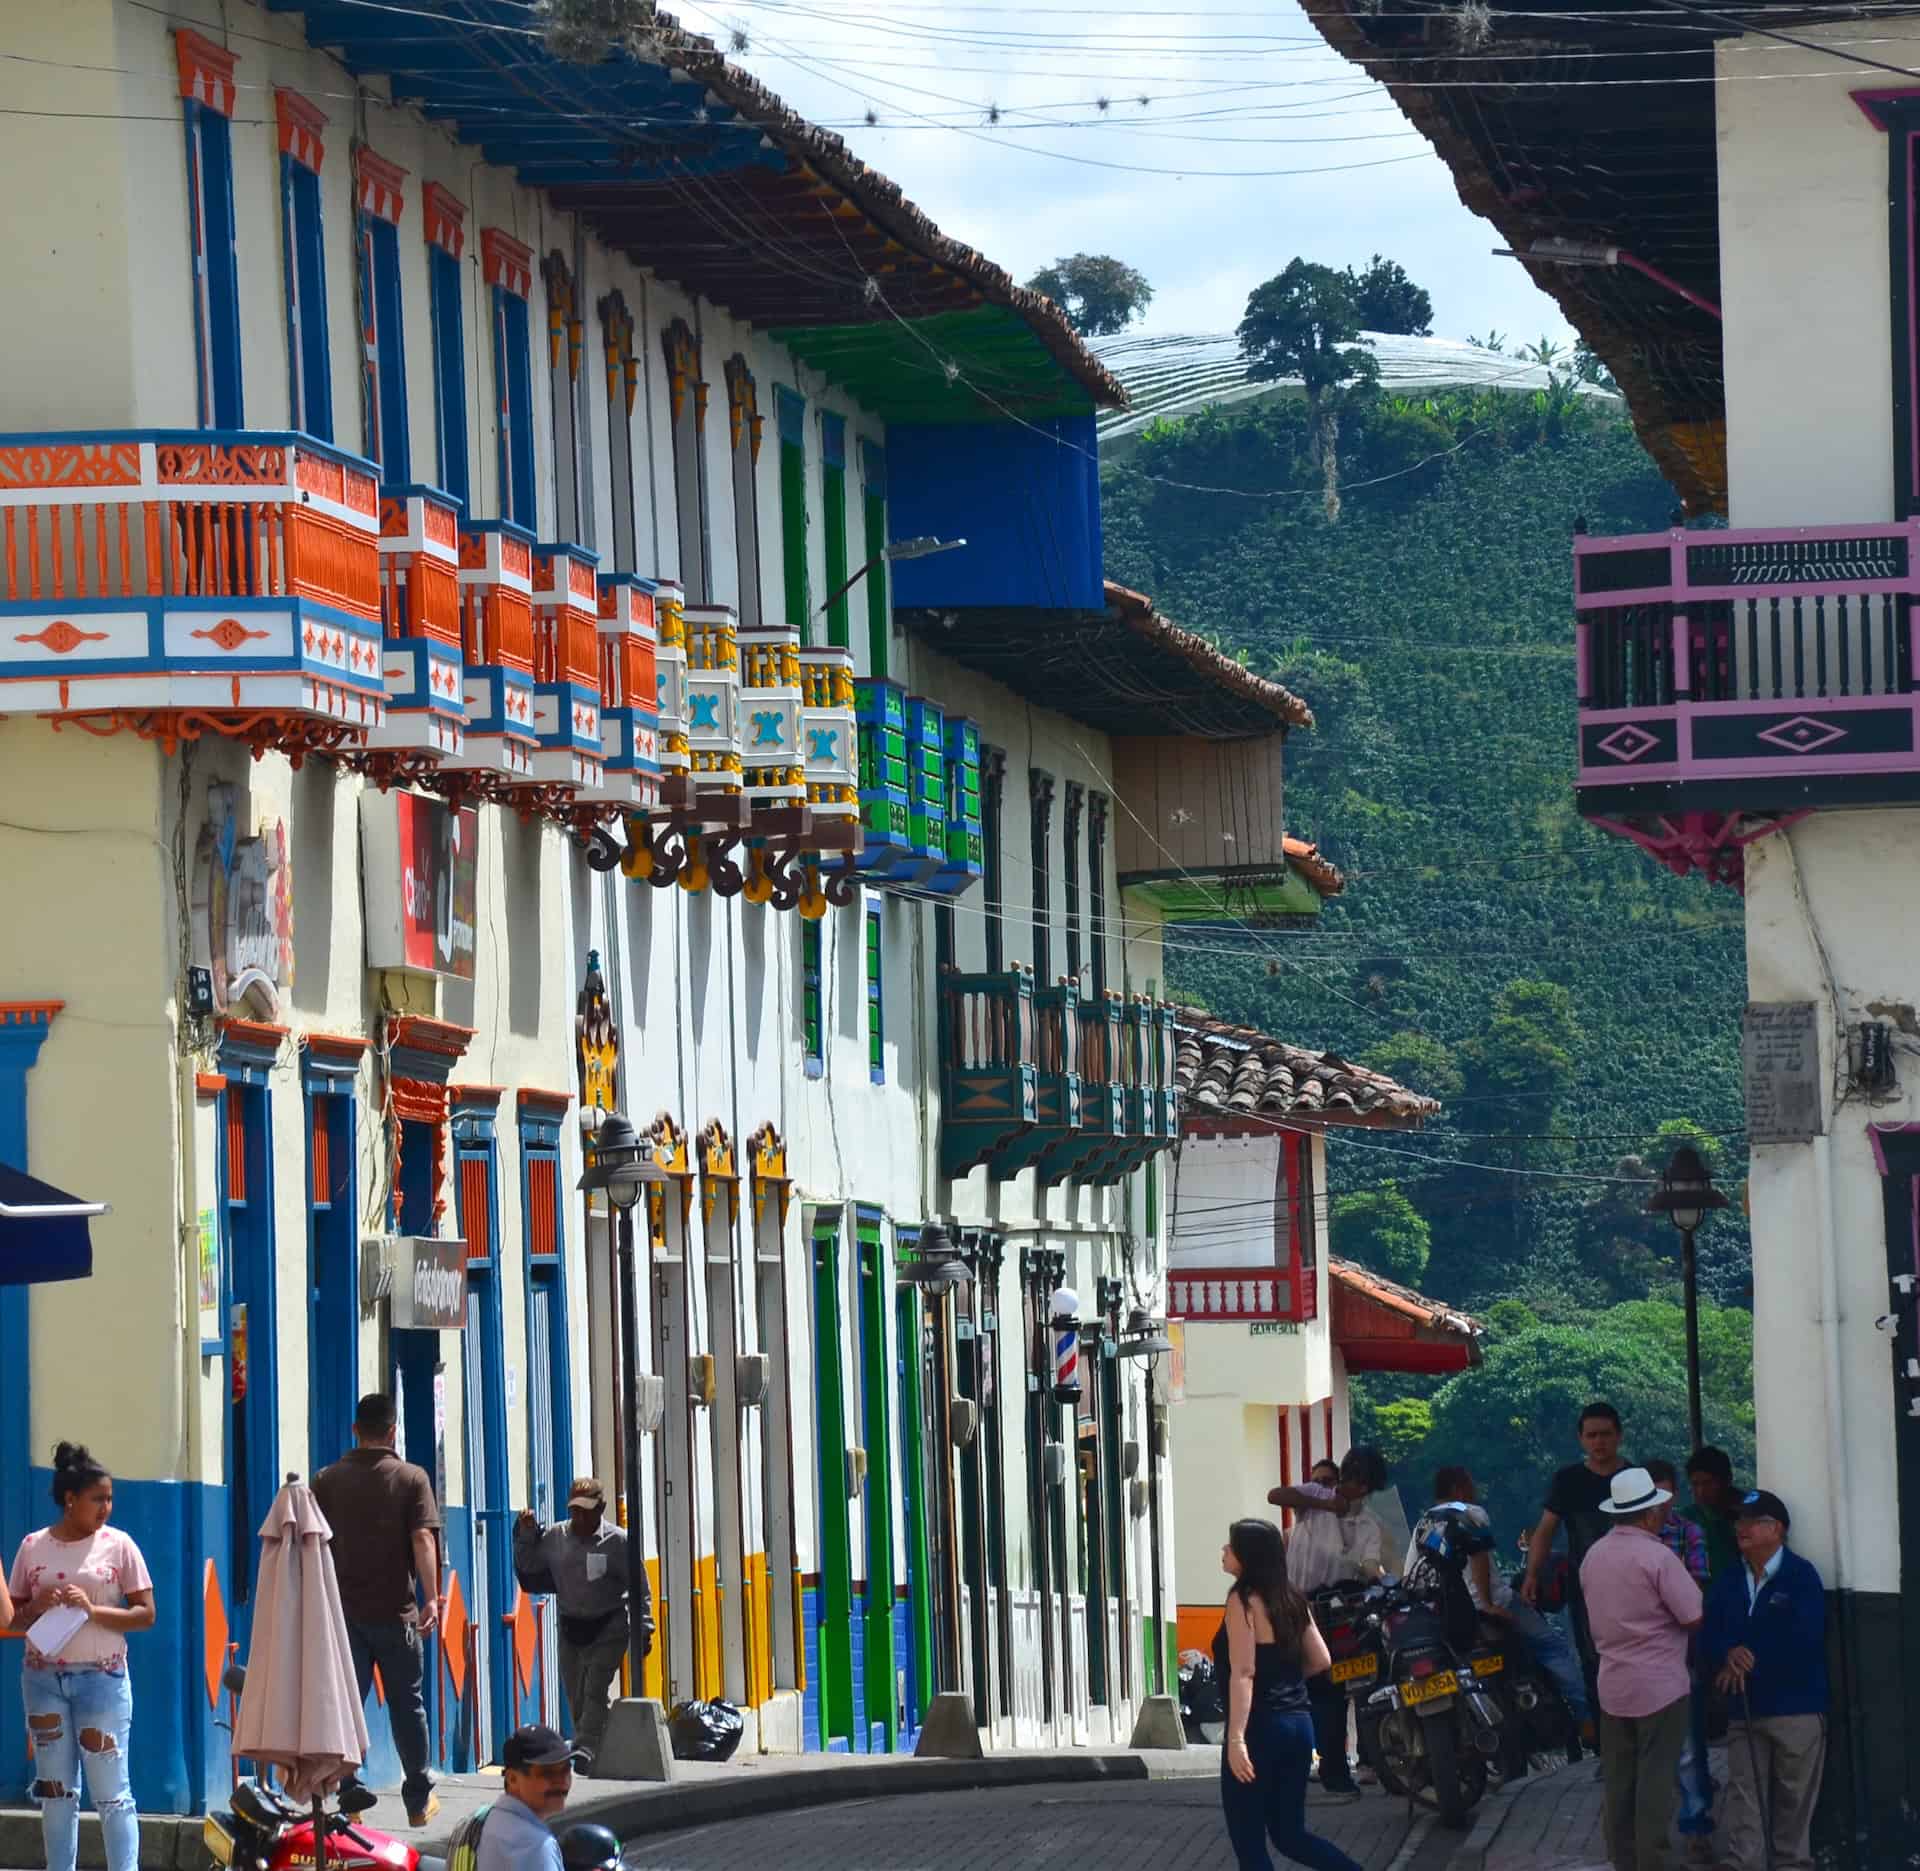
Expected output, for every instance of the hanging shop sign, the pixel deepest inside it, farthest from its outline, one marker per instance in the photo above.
(242, 912)
(429, 1284)
(419, 862)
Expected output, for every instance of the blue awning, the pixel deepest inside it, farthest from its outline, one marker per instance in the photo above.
(43, 1231)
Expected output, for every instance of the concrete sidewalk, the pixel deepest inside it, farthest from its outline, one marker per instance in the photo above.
(699, 1793)
(1552, 1822)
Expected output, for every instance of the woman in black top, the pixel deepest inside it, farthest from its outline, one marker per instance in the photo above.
(1266, 1647)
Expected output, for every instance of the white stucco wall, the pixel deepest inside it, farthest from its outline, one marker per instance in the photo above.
(1804, 280)
(1845, 883)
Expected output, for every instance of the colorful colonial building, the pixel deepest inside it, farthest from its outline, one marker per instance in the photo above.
(1269, 1324)
(455, 683)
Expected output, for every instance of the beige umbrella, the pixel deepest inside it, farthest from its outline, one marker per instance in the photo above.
(300, 1710)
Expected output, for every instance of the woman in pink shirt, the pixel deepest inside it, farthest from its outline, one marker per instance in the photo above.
(80, 1697)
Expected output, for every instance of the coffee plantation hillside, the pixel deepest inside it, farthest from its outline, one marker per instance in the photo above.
(1576, 1007)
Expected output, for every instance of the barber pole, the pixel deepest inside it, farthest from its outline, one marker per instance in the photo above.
(1064, 1308)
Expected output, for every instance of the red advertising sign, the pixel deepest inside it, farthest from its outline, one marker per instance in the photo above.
(438, 884)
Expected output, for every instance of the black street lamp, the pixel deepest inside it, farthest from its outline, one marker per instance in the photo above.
(1686, 1196)
(619, 1167)
(1145, 1337)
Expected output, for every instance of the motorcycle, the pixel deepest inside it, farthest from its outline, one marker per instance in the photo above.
(1438, 1704)
(264, 1831)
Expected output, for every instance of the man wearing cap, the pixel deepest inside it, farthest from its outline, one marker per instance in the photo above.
(1765, 1638)
(514, 1833)
(585, 1558)
(1641, 1606)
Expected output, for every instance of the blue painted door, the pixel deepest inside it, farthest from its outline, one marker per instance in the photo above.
(490, 1593)
(253, 1444)
(333, 1285)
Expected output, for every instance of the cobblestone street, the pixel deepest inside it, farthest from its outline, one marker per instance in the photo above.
(1165, 1825)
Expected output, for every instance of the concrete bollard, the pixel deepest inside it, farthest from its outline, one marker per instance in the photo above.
(635, 1745)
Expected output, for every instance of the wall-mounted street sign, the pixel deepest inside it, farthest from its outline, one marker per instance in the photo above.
(424, 1277)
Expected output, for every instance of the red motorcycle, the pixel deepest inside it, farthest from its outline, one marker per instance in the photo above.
(264, 1831)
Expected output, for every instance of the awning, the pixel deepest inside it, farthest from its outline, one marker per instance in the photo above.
(43, 1231)
(1381, 1326)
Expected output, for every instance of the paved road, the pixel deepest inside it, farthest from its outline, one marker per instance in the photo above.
(1159, 1825)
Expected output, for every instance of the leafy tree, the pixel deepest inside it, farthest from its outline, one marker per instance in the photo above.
(1387, 300)
(1527, 1049)
(1098, 294)
(1401, 1428)
(1726, 1346)
(1303, 323)
(1417, 1060)
(1507, 1318)
(1587, 367)
(1511, 1419)
(1381, 1229)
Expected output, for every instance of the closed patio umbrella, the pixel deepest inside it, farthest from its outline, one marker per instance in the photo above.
(300, 1710)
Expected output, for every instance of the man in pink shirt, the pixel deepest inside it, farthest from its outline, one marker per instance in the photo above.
(1642, 1604)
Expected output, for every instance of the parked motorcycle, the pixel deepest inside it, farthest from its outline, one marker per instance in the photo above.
(1438, 1705)
(264, 1831)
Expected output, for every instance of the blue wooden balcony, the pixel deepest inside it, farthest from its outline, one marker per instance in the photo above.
(180, 582)
(919, 792)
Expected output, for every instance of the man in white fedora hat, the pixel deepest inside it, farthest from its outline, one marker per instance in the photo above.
(1642, 1605)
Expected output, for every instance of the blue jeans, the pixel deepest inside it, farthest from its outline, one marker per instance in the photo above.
(81, 1719)
(396, 1647)
(1696, 1776)
(1554, 1652)
(1274, 1804)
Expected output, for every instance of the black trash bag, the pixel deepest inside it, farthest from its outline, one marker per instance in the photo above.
(705, 1731)
(1201, 1705)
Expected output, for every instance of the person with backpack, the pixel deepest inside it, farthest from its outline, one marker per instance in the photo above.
(515, 1833)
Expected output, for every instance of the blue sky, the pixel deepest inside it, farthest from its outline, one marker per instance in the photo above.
(1255, 142)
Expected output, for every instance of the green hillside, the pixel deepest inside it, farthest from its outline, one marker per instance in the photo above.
(1560, 992)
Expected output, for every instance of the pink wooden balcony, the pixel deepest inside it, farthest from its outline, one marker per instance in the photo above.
(1734, 673)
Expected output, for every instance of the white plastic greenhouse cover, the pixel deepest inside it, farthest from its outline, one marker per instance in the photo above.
(1182, 372)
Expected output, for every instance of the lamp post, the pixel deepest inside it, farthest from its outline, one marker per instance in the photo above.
(1686, 1196)
(1145, 1337)
(895, 554)
(620, 1169)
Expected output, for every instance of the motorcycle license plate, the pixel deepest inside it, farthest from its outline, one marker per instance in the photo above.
(1425, 1688)
(219, 1846)
(1354, 1668)
(1489, 1666)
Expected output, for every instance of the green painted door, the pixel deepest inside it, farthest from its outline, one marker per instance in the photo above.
(835, 1661)
(883, 1703)
(919, 1560)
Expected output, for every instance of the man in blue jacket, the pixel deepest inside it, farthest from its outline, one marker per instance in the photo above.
(1765, 1639)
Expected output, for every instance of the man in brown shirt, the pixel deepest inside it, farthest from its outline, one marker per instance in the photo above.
(386, 1528)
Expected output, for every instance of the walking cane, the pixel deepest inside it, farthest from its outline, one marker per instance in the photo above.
(1762, 1796)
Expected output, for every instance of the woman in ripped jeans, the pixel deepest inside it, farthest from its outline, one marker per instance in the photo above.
(80, 1698)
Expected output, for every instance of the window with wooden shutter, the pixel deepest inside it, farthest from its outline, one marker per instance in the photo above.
(236, 1146)
(543, 1206)
(476, 1206)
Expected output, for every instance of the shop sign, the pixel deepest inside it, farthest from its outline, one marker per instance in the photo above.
(429, 1284)
(419, 863)
(242, 909)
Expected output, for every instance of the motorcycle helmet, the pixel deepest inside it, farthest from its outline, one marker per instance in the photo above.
(588, 1848)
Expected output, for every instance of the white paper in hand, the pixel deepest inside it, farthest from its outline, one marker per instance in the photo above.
(48, 1634)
